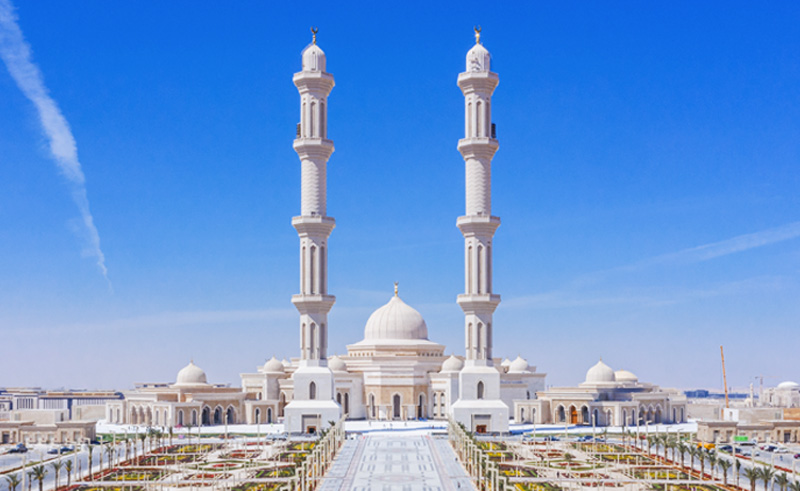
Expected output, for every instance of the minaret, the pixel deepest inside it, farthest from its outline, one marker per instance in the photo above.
(312, 405)
(479, 380)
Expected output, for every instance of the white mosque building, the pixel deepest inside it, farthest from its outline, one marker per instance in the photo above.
(395, 372)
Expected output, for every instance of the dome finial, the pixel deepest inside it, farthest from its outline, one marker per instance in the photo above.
(395, 287)
(314, 31)
(477, 34)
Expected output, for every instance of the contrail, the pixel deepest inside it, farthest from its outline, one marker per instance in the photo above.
(16, 53)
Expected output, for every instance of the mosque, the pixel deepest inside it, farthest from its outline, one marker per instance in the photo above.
(395, 372)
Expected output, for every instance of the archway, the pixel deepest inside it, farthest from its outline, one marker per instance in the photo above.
(396, 406)
(585, 415)
(269, 415)
(206, 418)
(561, 415)
(149, 417)
(339, 398)
(573, 415)
(372, 405)
(194, 417)
(421, 407)
(230, 416)
(180, 417)
(658, 414)
(596, 416)
(346, 403)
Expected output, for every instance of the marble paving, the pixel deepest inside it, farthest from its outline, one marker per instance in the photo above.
(396, 463)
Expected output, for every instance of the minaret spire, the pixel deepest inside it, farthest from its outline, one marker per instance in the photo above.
(478, 380)
(313, 381)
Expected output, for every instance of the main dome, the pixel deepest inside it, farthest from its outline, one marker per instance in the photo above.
(191, 374)
(395, 320)
(600, 373)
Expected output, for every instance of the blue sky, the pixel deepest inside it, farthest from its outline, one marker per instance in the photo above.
(647, 180)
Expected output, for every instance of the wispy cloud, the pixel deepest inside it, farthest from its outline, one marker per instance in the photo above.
(16, 53)
(725, 247)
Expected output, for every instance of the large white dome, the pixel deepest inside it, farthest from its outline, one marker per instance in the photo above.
(191, 374)
(600, 373)
(395, 320)
(788, 385)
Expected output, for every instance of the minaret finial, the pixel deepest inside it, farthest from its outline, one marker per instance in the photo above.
(395, 287)
(314, 31)
(477, 34)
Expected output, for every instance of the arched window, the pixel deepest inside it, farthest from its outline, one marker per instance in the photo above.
(269, 415)
(480, 390)
(194, 417)
(312, 335)
(347, 403)
(322, 120)
(470, 281)
(339, 398)
(562, 416)
(313, 265)
(312, 391)
(258, 416)
(372, 405)
(481, 270)
(314, 124)
(230, 416)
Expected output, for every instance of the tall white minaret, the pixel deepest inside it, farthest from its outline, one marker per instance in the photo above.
(312, 405)
(479, 380)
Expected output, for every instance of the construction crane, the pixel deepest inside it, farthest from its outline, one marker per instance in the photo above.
(724, 377)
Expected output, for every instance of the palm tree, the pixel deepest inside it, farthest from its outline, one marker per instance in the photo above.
(782, 480)
(89, 465)
(30, 479)
(57, 469)
(766, 474)
(692, 454)
(142, 436)
(68, 467)
(13, 482)
(682, 447)
(650, 441)
(752, 474)
(109, 450)
(701, 456)
(738, 465)
(725, 465)
(794, 486)
(39, 472)
(712, 462)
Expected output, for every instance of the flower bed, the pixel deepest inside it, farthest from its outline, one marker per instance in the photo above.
(131, 475)
(167, 459)
(258, 486)
(296, 446)
(283, 471)
(536, 486)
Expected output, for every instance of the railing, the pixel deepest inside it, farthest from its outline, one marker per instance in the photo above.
(484, 472)
(309, 474)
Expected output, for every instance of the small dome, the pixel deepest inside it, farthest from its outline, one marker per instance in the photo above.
(505, 363)
(274, 366)
(191, 374)
(518, 366)
(395, 320)
(336, 364)
(478, 59)
(625, 376)
(286, 363)
(788, 385)
(600, 373)
(313, 59)
(452, 364)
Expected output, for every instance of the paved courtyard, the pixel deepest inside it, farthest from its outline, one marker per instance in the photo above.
(402, 463)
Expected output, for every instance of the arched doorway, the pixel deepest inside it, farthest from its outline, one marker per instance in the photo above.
(573, 415)
(194, 417)
(218, 415)
(396, 406)
(206, 418)
(421, 407)
(180, 417)
(562, 416)
(230, 416)
(346, 403)
(372, 405)
(269, 415)
(258, 416)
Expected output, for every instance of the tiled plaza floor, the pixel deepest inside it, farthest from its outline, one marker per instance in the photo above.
(396, 463)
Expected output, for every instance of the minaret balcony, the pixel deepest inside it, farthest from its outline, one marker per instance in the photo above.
(314, 225)
(314, 303)
(478, 302)
(480, 225)
(309, 81)
(313, 148)
(482, 148)
(470, 82)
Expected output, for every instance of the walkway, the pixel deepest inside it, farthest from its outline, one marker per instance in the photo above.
(402, 463)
